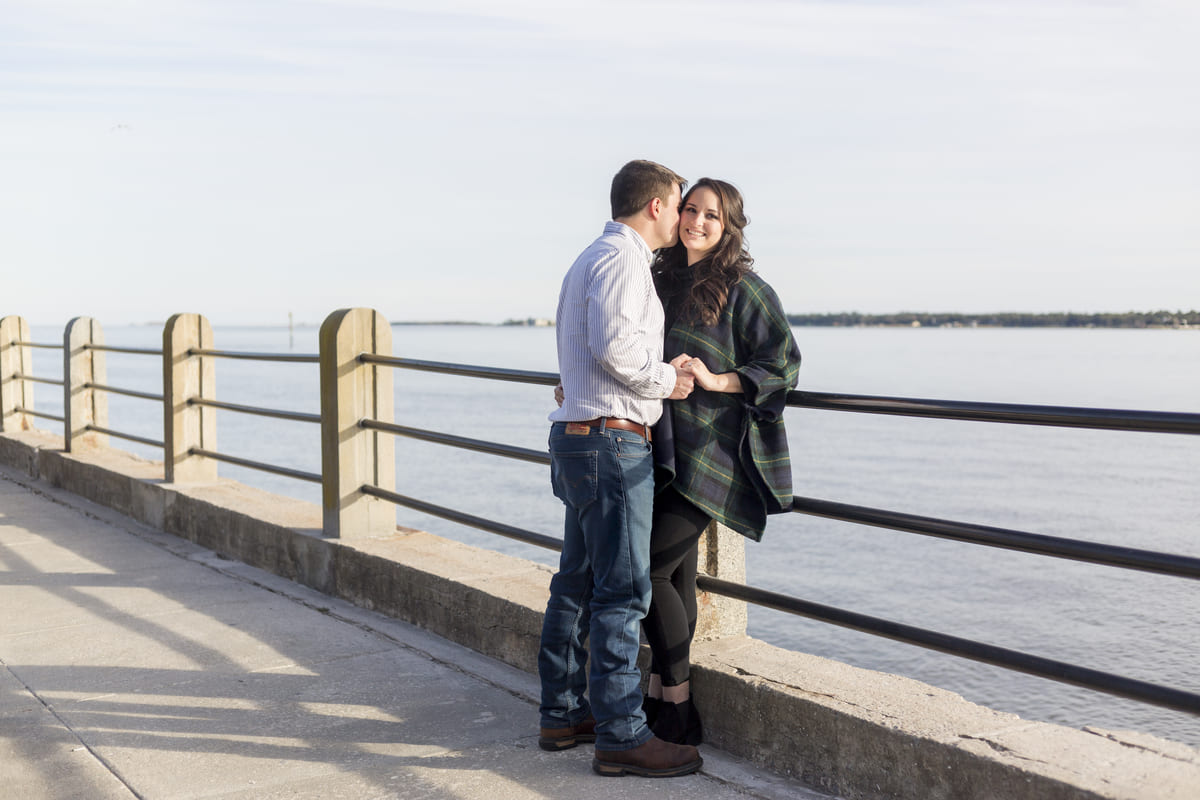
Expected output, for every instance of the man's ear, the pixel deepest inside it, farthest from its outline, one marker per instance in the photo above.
(655, 207)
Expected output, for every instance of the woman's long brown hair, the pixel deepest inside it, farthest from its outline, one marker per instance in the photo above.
(698, 294)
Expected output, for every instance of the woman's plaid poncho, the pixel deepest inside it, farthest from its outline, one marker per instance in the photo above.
(728, 453)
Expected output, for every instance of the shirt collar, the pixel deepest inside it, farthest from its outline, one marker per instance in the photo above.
(623, 230)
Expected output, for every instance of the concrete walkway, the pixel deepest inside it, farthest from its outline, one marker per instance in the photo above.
(134, 664)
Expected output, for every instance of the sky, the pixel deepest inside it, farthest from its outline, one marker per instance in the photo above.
(251, 159)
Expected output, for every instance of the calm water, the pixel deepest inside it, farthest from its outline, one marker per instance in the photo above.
(1131, 489)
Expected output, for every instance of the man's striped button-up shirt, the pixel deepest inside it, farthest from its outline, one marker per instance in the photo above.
(610, 333)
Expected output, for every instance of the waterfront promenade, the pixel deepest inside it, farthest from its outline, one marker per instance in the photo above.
(135, 664)
(125, 671)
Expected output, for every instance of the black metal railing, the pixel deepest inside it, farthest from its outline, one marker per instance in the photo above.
(1032, 543)
(126, 392)
(464, 370)
(41, 414)
(295, 358)
(462, 442)
(1058, 547)
(127, 436)
(100, 387)
(225, 406)
(273, 413)
(1056, 416)
(96, 386)
(138, 351)
(511, 531)
(1061, 671)
(261, 466)
(37, 379)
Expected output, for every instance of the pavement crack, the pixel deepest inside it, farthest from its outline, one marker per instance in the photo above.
(83, 744)
(1115, 738)
(745, 673)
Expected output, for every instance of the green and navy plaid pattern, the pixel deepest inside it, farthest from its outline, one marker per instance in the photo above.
(728, 453)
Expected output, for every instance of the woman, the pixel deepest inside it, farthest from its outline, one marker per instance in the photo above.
(721, 453)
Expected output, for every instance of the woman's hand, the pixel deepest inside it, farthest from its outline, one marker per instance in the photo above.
(559, 395)
(704, 378)
(722, 382)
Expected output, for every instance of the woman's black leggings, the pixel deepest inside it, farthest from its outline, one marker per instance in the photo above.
(671, 621)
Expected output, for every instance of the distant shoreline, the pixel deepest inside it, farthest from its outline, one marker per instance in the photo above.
(1015, 319)
(923, 319)
(1184, 320)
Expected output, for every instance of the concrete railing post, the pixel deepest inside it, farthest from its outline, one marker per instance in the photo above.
(187, 376)
(15, 360)
(722, 555)
(352, 456)
(83, 406)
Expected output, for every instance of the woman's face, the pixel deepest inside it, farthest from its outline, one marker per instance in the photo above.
(700, 225)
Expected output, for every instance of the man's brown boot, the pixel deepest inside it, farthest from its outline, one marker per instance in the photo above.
(654, 759)
(553, 739)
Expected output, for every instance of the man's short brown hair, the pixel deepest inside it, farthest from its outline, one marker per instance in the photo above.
(639, 182)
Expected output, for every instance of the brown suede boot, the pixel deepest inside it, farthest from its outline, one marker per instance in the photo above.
(654, 759)
(554, 739)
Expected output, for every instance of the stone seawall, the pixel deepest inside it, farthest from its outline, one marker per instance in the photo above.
(848, 731)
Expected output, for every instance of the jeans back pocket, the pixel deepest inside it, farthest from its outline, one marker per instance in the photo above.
(574, 477)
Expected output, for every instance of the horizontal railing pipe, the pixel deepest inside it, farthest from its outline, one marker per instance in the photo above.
(40, 414)
(36, 379)
(128, 436)
(1073, 549)
(509, 531)
(274, 413)
(298, 358)
(462, 442)
(40, 345)
(126, 392)
(1057, 416)
(141, 351)
(311, 477)
(465, 370)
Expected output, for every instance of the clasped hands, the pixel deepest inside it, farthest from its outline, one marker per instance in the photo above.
(690, 373)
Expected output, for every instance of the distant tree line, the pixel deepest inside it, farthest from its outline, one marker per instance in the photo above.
(1065, 319)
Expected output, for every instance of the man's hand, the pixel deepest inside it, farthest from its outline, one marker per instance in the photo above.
(684, 382)
(559, 395)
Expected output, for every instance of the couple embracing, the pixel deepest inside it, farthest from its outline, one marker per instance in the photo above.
(669, 275)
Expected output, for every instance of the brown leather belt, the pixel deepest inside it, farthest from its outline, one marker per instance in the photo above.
(620, 424)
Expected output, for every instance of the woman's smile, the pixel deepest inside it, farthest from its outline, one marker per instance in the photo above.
(700, 225)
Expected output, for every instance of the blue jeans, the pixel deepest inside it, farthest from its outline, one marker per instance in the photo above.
(606, 480)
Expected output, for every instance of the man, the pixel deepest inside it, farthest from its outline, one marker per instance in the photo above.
(610, 359)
